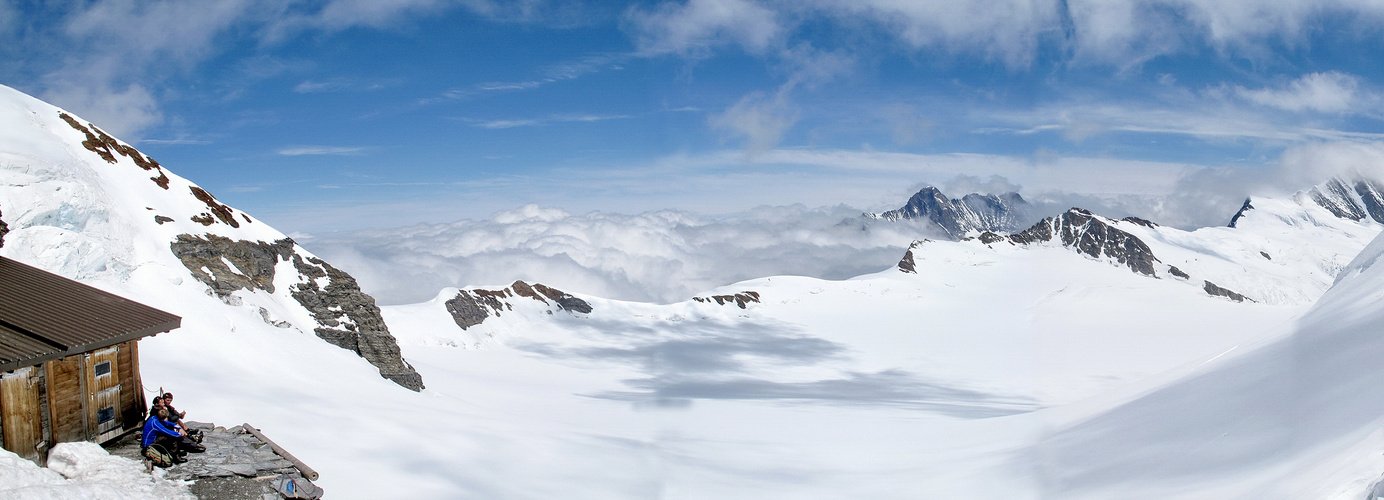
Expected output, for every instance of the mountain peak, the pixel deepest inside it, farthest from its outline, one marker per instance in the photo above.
(971, 213)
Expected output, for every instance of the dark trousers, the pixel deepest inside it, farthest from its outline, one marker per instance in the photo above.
(175, 445)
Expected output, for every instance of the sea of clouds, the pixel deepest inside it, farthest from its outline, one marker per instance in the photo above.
(660, 256)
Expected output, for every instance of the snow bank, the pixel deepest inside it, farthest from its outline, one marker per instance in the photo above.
(84, 471)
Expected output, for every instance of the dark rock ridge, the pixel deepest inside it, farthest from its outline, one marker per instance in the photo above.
(1212, 289)
(3, 230)
(1090, 235)
(347, 317)
(471, 307)
(1240, 213)
(741, 299)
(1352, 199)
(974, 212)
(107, 147)
(906, 264)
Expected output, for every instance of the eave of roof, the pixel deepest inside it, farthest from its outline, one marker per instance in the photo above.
(44, 316)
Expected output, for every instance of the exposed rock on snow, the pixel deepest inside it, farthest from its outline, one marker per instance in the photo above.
(906, 264)
(958, 217)
(1091, 235)
(741, 299)
(1212, 289)
(471, 307)
(362, 331)
(254, 261)
(3, 229)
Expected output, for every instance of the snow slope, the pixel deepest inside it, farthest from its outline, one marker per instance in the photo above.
(995, 371)
(1300, 417)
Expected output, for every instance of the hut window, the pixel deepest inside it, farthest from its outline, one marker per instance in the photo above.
(106, 414)
(103, 368)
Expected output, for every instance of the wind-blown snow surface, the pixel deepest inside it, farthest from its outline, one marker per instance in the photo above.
(1301, 417)
(891, 385)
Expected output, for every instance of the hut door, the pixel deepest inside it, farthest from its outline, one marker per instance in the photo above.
(104, 384)
(19, 404)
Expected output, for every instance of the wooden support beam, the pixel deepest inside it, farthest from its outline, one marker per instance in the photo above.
(308, 473)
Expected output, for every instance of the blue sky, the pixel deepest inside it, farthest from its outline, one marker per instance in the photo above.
(350, 114)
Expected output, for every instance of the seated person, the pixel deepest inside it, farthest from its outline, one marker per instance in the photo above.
(176, 416)
(158, 430)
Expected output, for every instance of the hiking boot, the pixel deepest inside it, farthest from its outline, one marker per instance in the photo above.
(197, 448)
(179, 459)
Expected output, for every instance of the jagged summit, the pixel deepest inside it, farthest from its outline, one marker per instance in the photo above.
(83, 204)
(972, 213)
(1354, 198)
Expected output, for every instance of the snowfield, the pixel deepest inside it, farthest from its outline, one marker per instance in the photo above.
(996, 371)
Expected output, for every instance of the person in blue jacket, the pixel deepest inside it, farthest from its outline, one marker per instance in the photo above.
(168, 435)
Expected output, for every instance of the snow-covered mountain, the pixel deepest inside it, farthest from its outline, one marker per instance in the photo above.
(1055, 358)
(970, 214)
(85, 205)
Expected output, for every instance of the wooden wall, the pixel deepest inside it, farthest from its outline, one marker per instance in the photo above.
(61, 400)
(22, 415)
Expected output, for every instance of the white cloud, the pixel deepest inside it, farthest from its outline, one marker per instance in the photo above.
(660, 256)
(569, 70)
(533, 122)
(693, 28)
(759, 120)
(1005, 30)
(1330, 92)
(119, 112)
(322, 151)
(178, 141)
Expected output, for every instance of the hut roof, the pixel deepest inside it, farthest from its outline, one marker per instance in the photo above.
(44, 316)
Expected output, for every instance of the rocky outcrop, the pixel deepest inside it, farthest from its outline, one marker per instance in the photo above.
(742, 299)
(3, 230)
(1335, 197)
(1090, 235)
(350, 319)
(471, 307)
(107, 147)
(1240, 213)
(1371, 198)
(208, 258)
(906, 264)
(1217, 291)
(346, 317)
(958, 217)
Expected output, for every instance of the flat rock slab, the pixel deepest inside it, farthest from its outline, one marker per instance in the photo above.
(236, 465)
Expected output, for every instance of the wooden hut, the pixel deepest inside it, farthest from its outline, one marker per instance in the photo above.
(69, 363)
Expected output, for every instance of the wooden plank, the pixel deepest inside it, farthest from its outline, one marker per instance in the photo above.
(130, 392)
(127, 377)
(23, 421)
(104, 403)
(65, 399)
(84, 376)
(302, 467)
(138, 388)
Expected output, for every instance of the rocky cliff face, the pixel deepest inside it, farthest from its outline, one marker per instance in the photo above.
(974, 212)
(1089, 235)
(471, 307)
(3, 230)
(346, 317)
(741, 300)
